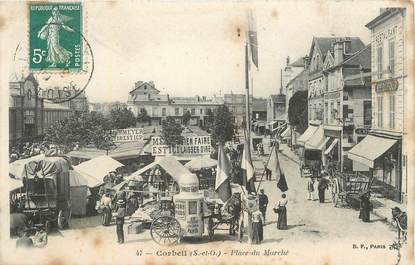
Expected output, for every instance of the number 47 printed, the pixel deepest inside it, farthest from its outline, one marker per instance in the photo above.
(55, 36)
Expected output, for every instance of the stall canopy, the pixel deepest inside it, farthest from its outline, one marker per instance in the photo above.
(15, 184)
(307, 134)
(370, 148)
(200, 162)
(98, 167)
(332, 145)
(170, 164)
(121, 152)
(77, 179)
(316, 140)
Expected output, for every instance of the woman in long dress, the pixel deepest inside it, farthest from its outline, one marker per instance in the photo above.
(56, 53)
(365, 207)
(282, 213)
(257, 227)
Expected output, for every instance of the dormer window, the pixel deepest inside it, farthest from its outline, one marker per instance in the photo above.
(347, 47)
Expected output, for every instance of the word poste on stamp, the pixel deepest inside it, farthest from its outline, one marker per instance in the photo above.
(55, 41)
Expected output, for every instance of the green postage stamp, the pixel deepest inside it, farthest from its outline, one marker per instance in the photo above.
(55, 36)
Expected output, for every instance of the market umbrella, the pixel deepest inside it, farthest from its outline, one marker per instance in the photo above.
(77, 179)
(200, 162)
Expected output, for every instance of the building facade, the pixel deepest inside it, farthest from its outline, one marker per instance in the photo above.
(387, 141)
(158, 107)
(30, 115)
(276, 111)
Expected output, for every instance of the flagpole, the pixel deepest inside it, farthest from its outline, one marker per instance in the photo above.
(247, 114)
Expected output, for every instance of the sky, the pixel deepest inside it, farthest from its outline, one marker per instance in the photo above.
(193, 48)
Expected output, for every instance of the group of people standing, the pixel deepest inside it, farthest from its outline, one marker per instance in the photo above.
(322, 186)
(258, 217)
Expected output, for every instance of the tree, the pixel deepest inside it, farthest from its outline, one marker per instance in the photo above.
(83, 129)
(186, 117)
(209, 119)
(171, 132)
(122, 118)
(297, 111)
(223, 126)
(143, 116)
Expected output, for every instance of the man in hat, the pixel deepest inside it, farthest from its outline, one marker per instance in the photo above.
(263, 203)
(322, 186)
(119, 220)
(365, 207)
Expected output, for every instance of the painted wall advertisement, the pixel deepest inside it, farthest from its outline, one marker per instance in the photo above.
(127, 135)
(192, 145)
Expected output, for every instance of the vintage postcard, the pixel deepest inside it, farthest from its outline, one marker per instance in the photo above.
(207, 132)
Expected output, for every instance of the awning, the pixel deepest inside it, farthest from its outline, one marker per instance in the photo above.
(200, 162)
(307, 134)
(271, 124)
(332, 145)
(370, 148)
(323, 144)
(279, 128)
(316, 139)
(77, 179)
(286, 133)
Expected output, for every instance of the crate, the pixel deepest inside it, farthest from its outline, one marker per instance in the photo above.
(135, 228)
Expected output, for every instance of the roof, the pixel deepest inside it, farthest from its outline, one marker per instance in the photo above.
(300, 75)
(325, 44)
(387, 12)
(300, 62)
(361, 58)
(142, 84)
(259, 105)
(277, 98)
(55, 106)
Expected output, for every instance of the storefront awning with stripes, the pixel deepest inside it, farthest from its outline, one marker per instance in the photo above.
(369, 149)
(307, 134)
(317, 140)
(332, 145)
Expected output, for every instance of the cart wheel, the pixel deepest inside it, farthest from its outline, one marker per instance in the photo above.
(165, 230)
(61, 220)
(47, 227)
(210, 229)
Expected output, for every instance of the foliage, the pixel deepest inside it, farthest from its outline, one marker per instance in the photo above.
(171, 132)
(210, 118)
(223, 126)
(297, 111)
(186, 117)
(143, 116)
(122, 118)
(89, 128)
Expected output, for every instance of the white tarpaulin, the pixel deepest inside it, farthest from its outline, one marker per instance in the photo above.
(77, 179)
(15, 184)
(17, 167)
(98, 167)
(201, 162)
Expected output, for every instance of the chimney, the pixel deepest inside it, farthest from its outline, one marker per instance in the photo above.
(338, 51)
(305, 60)
(288, 60)
(138, 83)
(152, 83)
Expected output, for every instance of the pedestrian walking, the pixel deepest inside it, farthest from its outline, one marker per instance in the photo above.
(322, 186)
(281, 209)
(263, 203)
(119, 220)
(310, 188)
(257, 227)
(268, 172)
(334, 188)
(365, 207)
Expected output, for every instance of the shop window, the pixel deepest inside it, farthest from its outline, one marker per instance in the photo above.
(367, 113)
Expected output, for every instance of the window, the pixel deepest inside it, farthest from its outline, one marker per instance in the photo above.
(201, 111)
(163, 111)
(392, 56)
(326, 109)
(379, 61)
(367, 113)
(392, 111)
(331, 111)
(176, 111)
(193, 111)
(380, 111)
(338, 109)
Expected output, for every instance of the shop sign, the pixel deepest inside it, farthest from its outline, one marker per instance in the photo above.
(361, 130)
(387, 85)
(127, 135)
(332, 95)
(192, 145)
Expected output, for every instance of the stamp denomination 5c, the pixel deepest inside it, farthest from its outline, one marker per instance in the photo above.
(55, 41)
